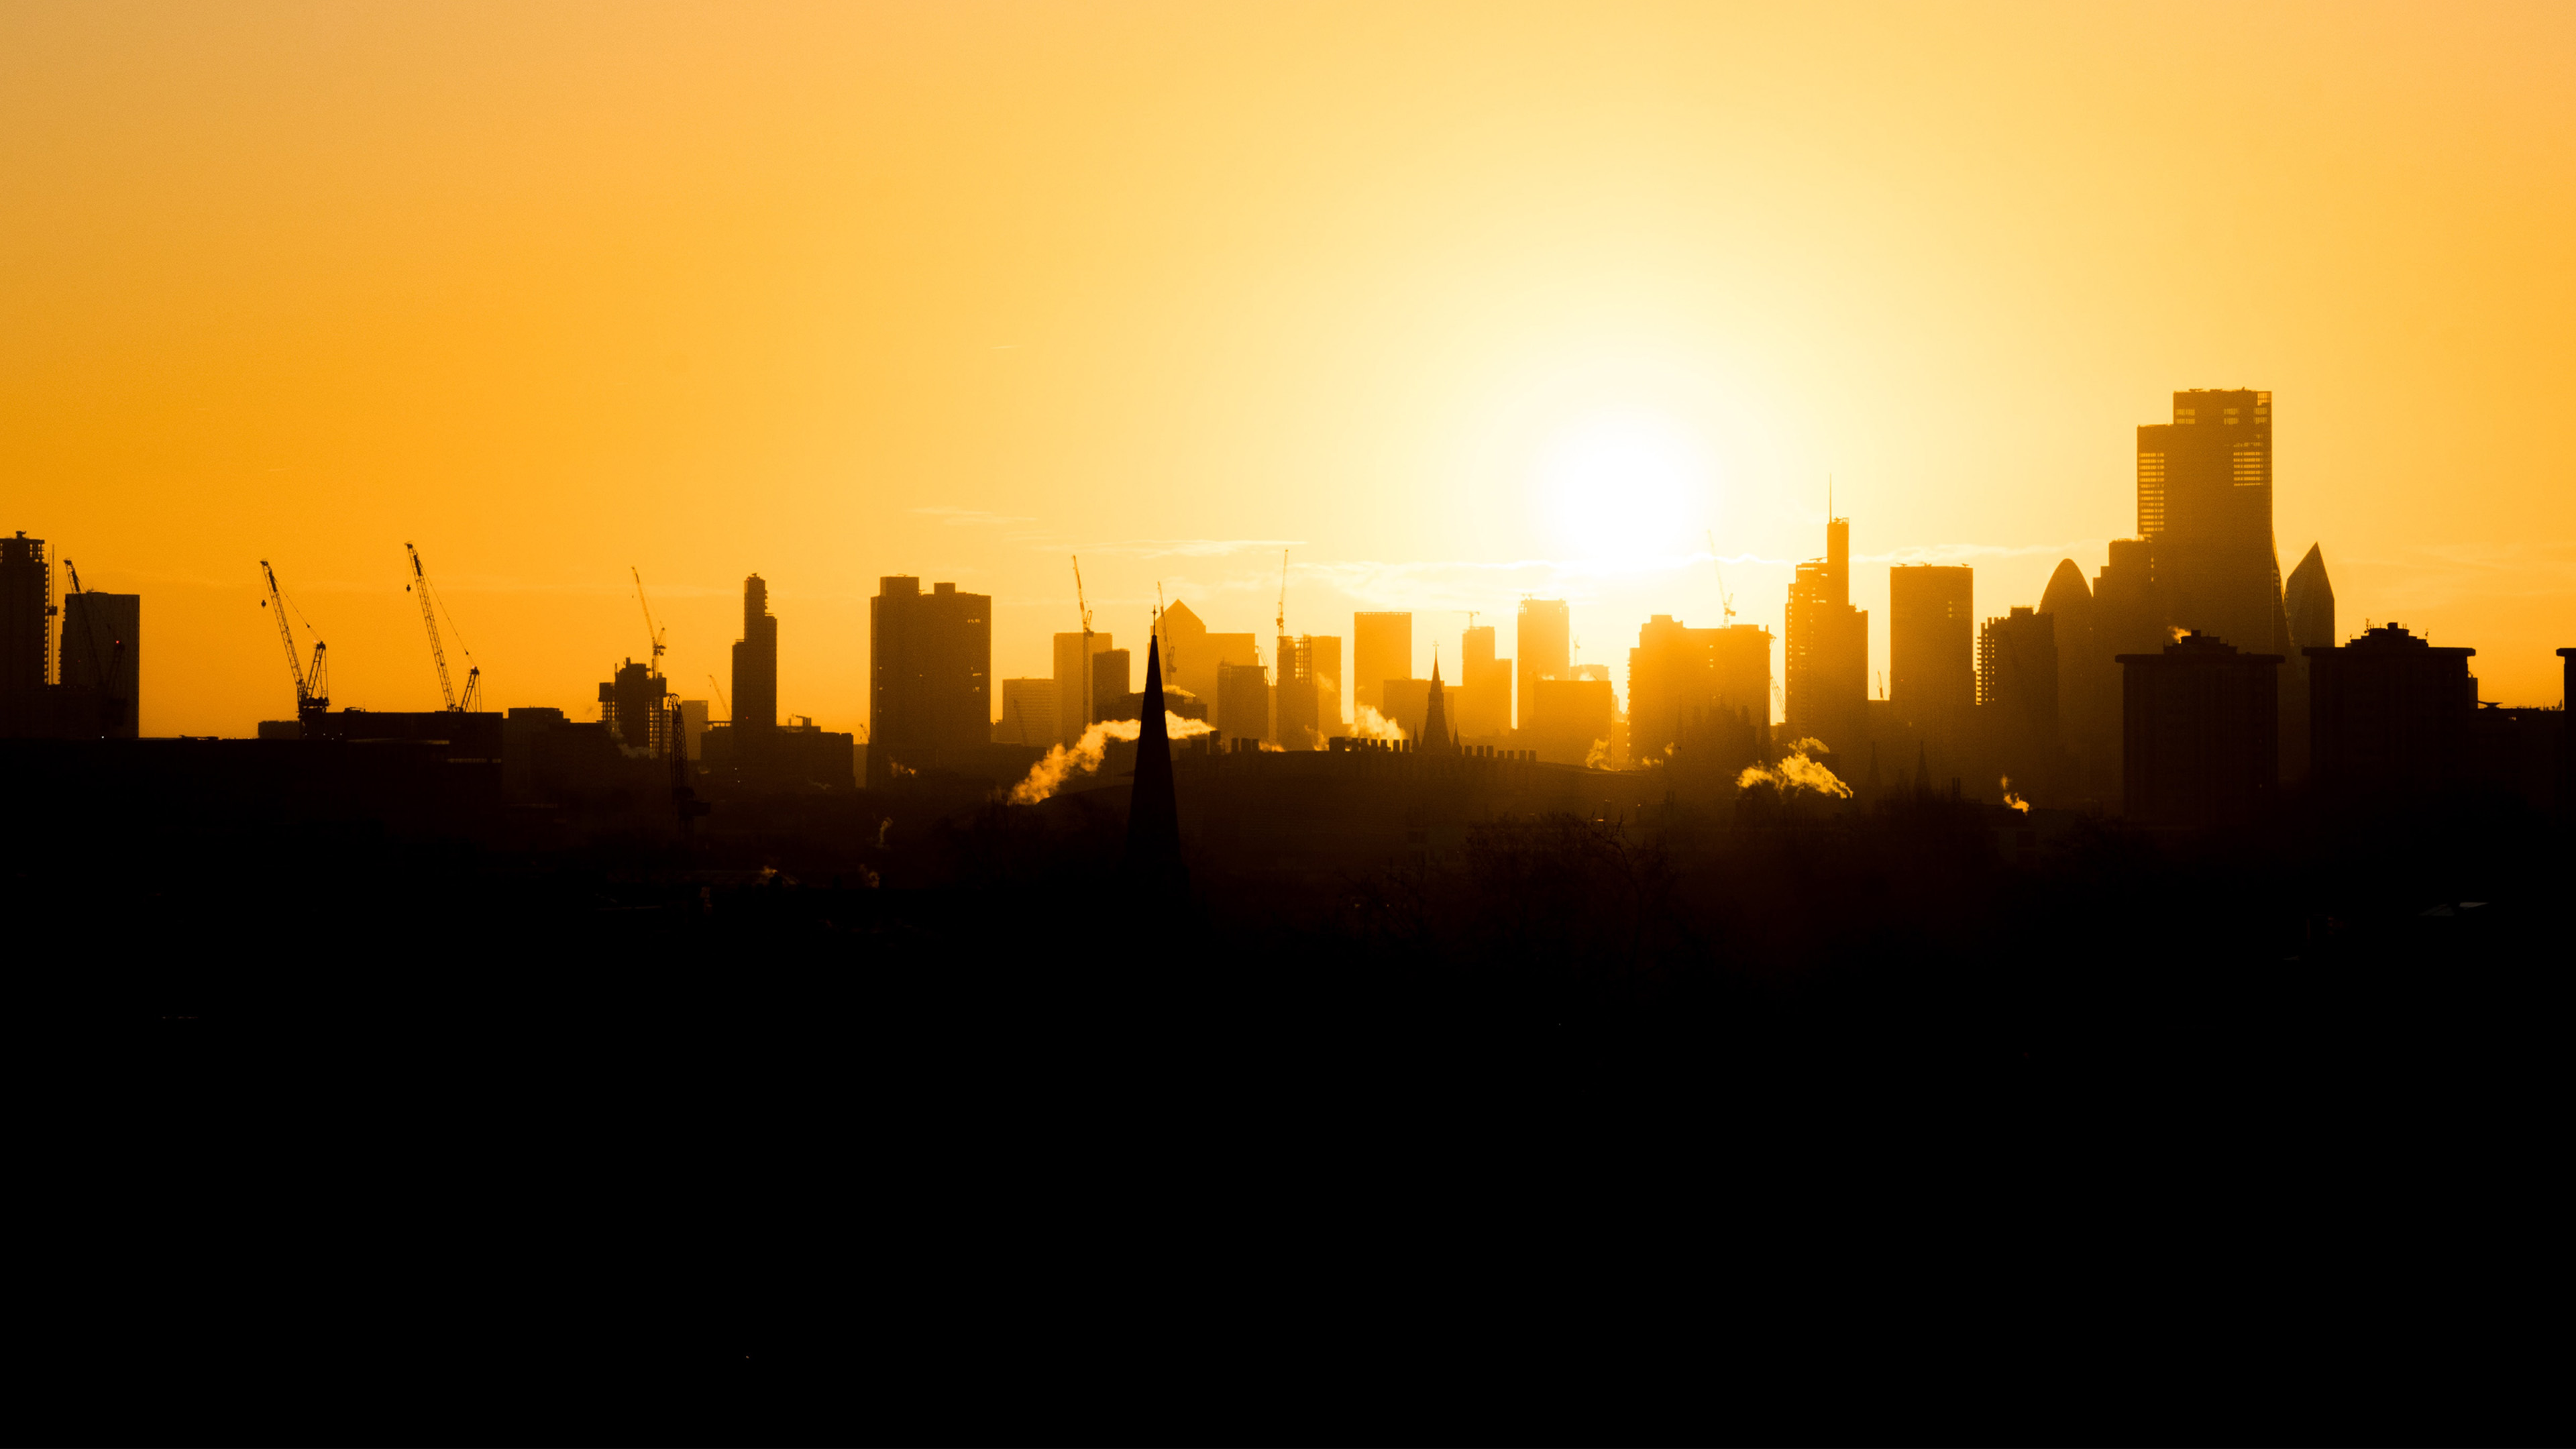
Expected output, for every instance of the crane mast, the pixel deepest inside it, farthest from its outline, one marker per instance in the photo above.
(312, 684)
(1089, 705)
(429, 621)
(653, 662)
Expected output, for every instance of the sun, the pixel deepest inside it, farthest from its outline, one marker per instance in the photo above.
(1623, 487)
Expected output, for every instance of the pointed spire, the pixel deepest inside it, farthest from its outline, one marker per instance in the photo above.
(1153, 811)
(1435, 721)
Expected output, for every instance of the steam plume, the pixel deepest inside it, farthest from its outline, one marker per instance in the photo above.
(1368, 724)
(1797, 770)
(2011, 799)
(1048, 775)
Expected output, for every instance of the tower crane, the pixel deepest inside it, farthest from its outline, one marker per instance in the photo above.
(437, 653)
(1725, 600)
(1282, 619)
(720, 696)
(1089, 705)
(312, 685)
(653, 663)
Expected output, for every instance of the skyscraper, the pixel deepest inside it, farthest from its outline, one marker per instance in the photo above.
(755, 662)
(930, 661)
(2088, 685)
(1296, 707)
(1243, 701)
(2017, 698)
(2200, 733)
(1828, 648)
(2308, 620)
(1074, 684)
(1678, 677)
(1484, 688)
(2205, 506)
(1381, 649)
(101, 667)
(1932, 657)
(26, 632)
(1112, 676)
(1545, 648)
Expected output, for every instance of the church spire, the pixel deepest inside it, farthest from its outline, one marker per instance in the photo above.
(1435, 721)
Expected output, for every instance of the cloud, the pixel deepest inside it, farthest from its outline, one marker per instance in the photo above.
(972, 517)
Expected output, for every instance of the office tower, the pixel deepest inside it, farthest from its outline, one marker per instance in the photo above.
(1324, 654)
(630, 704)
(1243, 701)
(1192, 657)
(1297, 699)
(2388, 712)
(755, 663)
(1680, 678)
(2205, 507)
(2017, 698)
(1545, 646)
(1571, 720)
(26, 632)
(1075, 710)
(1029, 713)
(2088, 686)
(1828, 649)
(1436, 738)
(2309, 602)
(1932, 658)
(1381, 649)
(1484, 689)
(1112, 684)
(2200, 733)
(930, 662)
(693, 725)
(101, 669)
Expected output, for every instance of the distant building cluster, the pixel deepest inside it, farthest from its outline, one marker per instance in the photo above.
(81, 681)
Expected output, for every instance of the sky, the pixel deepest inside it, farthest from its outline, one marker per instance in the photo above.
(1454, 304)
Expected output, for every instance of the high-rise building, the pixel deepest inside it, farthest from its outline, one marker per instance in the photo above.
(2017, 698)
(1932, 658)
(2205, 507)
(1112, 682)
(2308, 621)
(930, 662)
(1324, 659)
(1571, 720)
(1545, 645)
(1828, 649)
(1192, 656)
(26, 632)
(1381, 649)
(1296, 705)
(1243, 701)
(1484, 689)
(1680, 677)
(1075, 710)
(2088, 686)
(1029, 713)
(755, 663)
(101, 669)
(2389, 712)
(2200, 733)
(630, 703)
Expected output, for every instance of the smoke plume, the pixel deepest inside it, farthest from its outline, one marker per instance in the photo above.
(2011, 799)
(1797, 770)
(1047, 776)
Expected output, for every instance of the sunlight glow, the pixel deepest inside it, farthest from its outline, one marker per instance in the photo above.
(1624, 487)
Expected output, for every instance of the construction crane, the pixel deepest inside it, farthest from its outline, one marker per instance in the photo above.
(1089, 706)
(1282, 619)
(437, 653)
(1725, 600)
(312, 685)
(111, 707)
(653, 663)
(720, 696)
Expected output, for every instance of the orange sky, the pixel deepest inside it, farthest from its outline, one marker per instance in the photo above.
(837, 291)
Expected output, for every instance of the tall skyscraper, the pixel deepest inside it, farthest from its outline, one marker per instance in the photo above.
(2017, 698)
(1828, 649)
(1484, 689)
(1076, 685)
(1296, 706)
(102, 668)
(755, 662)
(1932, 658)
(1113, 676)
(1545, 649)
(1381, 649)
(2309, 602)
(1680, 677)
(1332, 707)
(930, 662)
(26, 632)
(2205, 506)
(2088, 686)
